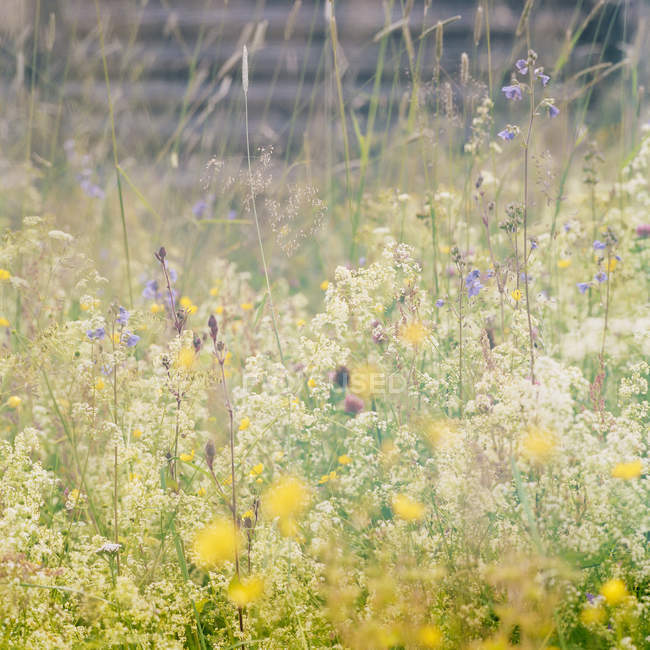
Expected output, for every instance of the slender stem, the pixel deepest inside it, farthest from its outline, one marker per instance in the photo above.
(259, 234)
(602, 347)
(460, 341)
(531, 75)
(115, 158)
(33, 82)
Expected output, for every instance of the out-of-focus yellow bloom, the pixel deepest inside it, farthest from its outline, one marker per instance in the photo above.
(367, 380)
(445, 250)
(137, 433)
(538, 445)
(311, 382)
(430, 636)
(628, 471)
(379, 309)
(243, 592)
(99, 384)
(300, 323)
(612, 264)
(214, 292)
(185, 358)
(286, 499)
(187, 458)
(200, 492)
(4, 274)
(244, 423)
(592, 615)
(218, 310)
(516, 295)
(187, 304)
(246, 306)
(14, 402)
(324, 285)
(217, 543)
(614, 591)
(328, 477)
(414, 333)
(344, 459)
(117, 337)
(134, 476)
(156, 308)
(564, 263)
(407, 508)
(4, 322)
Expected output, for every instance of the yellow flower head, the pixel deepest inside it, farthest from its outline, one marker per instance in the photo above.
(4, 274)
(564, 263)
(592, 615)
(407, 508)
(244, 423)
(156, 308)
(445, 250)
(99, 384)
(538, 445)
(246, 306)
(311, 382)
(429, 636)
(612, 264)
(367, 380)
(628, 470)
(345, 459)
(516, 295)
(324, 285)
(614, 591)
(256, 470)
(200, 492)
(300, 323)
(137, 433)
(4, 322)
(187, 458)
(14, 402)
(414, 333)
(244, 591)
(217, 543)
(214, 292)
(185, 358)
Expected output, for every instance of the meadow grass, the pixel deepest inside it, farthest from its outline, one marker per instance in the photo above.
(372, 375)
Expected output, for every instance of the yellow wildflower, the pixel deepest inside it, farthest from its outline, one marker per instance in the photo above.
(117, 337)
(244, 423)
(218, 310)
(324, 285)
(614, 591)
(214, 292)
(185, 358)
(200, 492)
(137, 433)
(188, 458)
(516, 295)
(99, 384)
(612, 264)
(14, 402)
(592, 615)
(407, 508)
(430, 636)
(249, 514)
(216, 543)
(564, 263)
(445, 250)
(366, 381)
(156, 308)
(246, 306)
(244, 591)
(300, 323)
(4, 322)
(311, 383)
(256, 470)
(134, 476)
(345, 459)
(538, 445)
(286, 499)
(4, 274)
(379, 308)
(628, 471)
(414, 333)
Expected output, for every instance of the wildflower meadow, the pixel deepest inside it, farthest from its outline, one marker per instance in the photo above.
(317, 337)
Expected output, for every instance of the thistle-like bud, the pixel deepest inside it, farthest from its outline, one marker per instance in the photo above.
(196, 342)
(214, 328)
(161, 254)
(209, 453)
(244, 70)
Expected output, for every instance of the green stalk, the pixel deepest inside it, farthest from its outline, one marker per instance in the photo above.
(115, 158)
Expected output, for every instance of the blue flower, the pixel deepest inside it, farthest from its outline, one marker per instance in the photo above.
(567, 227)
(473, 283)
(123, 316)
(506, 134)
(522, 66)
(131, 339)
(539, 73)
(199, 208)
(97, 334)
(150, 290)
(512, 92)
(583, 286)
(533, 244)
(601, 276)
(440, 302)
(599, 245)
(553, 111)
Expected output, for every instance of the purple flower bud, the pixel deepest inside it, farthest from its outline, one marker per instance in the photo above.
(582, 287)
(353, 404)
(512, 92)
(440, 302)
(553, 110)
(599, 245)
(214, 328)
(539, 73)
